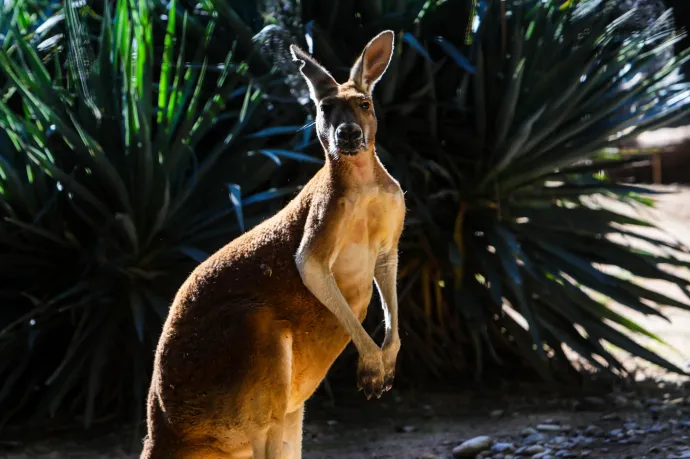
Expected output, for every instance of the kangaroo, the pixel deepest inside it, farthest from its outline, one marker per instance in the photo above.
(255, 328)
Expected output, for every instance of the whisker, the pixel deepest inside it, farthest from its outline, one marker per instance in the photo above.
(308, 125)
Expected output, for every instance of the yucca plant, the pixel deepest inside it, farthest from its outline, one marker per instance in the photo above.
(25, 15)
(125, 159)
(547, 87)
(498, 117)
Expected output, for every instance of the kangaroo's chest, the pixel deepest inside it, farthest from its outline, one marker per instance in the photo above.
(373, 221)
(371, 227)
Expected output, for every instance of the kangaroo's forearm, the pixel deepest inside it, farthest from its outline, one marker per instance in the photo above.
(386, 280)
(321, 283)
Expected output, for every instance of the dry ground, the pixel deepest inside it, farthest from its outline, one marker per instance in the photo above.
(426, 426)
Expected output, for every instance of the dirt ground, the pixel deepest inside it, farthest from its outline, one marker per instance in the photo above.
(648, 421)
(651, 422)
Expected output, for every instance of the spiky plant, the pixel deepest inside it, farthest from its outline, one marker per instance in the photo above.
(122, 165)
(549, 86)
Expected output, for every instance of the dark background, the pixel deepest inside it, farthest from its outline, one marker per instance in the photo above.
(681, 9)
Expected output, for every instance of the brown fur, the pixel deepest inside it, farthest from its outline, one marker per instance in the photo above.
(247, 341)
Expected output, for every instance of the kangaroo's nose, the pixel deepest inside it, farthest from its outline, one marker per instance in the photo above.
(348, 132)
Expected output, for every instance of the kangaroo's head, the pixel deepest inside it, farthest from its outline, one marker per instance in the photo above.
(345, 120)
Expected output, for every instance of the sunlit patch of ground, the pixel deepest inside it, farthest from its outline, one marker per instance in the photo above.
(672, 216)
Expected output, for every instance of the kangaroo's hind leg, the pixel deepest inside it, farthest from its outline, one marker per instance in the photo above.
(269, 444)
(268, 399)
(292, 434)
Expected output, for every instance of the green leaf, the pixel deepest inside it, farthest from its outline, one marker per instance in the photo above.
(194, 253)
(508, 253)
(455, 55)
(275, 155)
(277, 130)
(601, 311)
(136, 303)
(167, 65)
(416, 45)
(616, 338)
(268, 195)
(96, 371)
(236, 200)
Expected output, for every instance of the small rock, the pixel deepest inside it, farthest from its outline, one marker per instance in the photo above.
(498, 456)
(496, 413)
(544, 455)
(636, 404)
(611, 417)
(656, 428)
(585, 453)
(593, 430)
(620, 401)
(527, 431)
(332, 422)
(616, 433)
(503, 447)
(406, 429)
(565, 453)
(581, 440)
(472, 447)
(549, 428)
(534, 438)
(530, 450)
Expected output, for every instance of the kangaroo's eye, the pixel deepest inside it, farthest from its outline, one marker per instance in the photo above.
(365, 105)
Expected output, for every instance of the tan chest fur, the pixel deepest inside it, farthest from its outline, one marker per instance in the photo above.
(373, 214)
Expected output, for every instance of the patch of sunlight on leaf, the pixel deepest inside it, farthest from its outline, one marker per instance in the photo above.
(515, 315)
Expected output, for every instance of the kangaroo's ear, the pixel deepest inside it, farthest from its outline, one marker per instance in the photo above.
(373, 62)
(321, 83)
